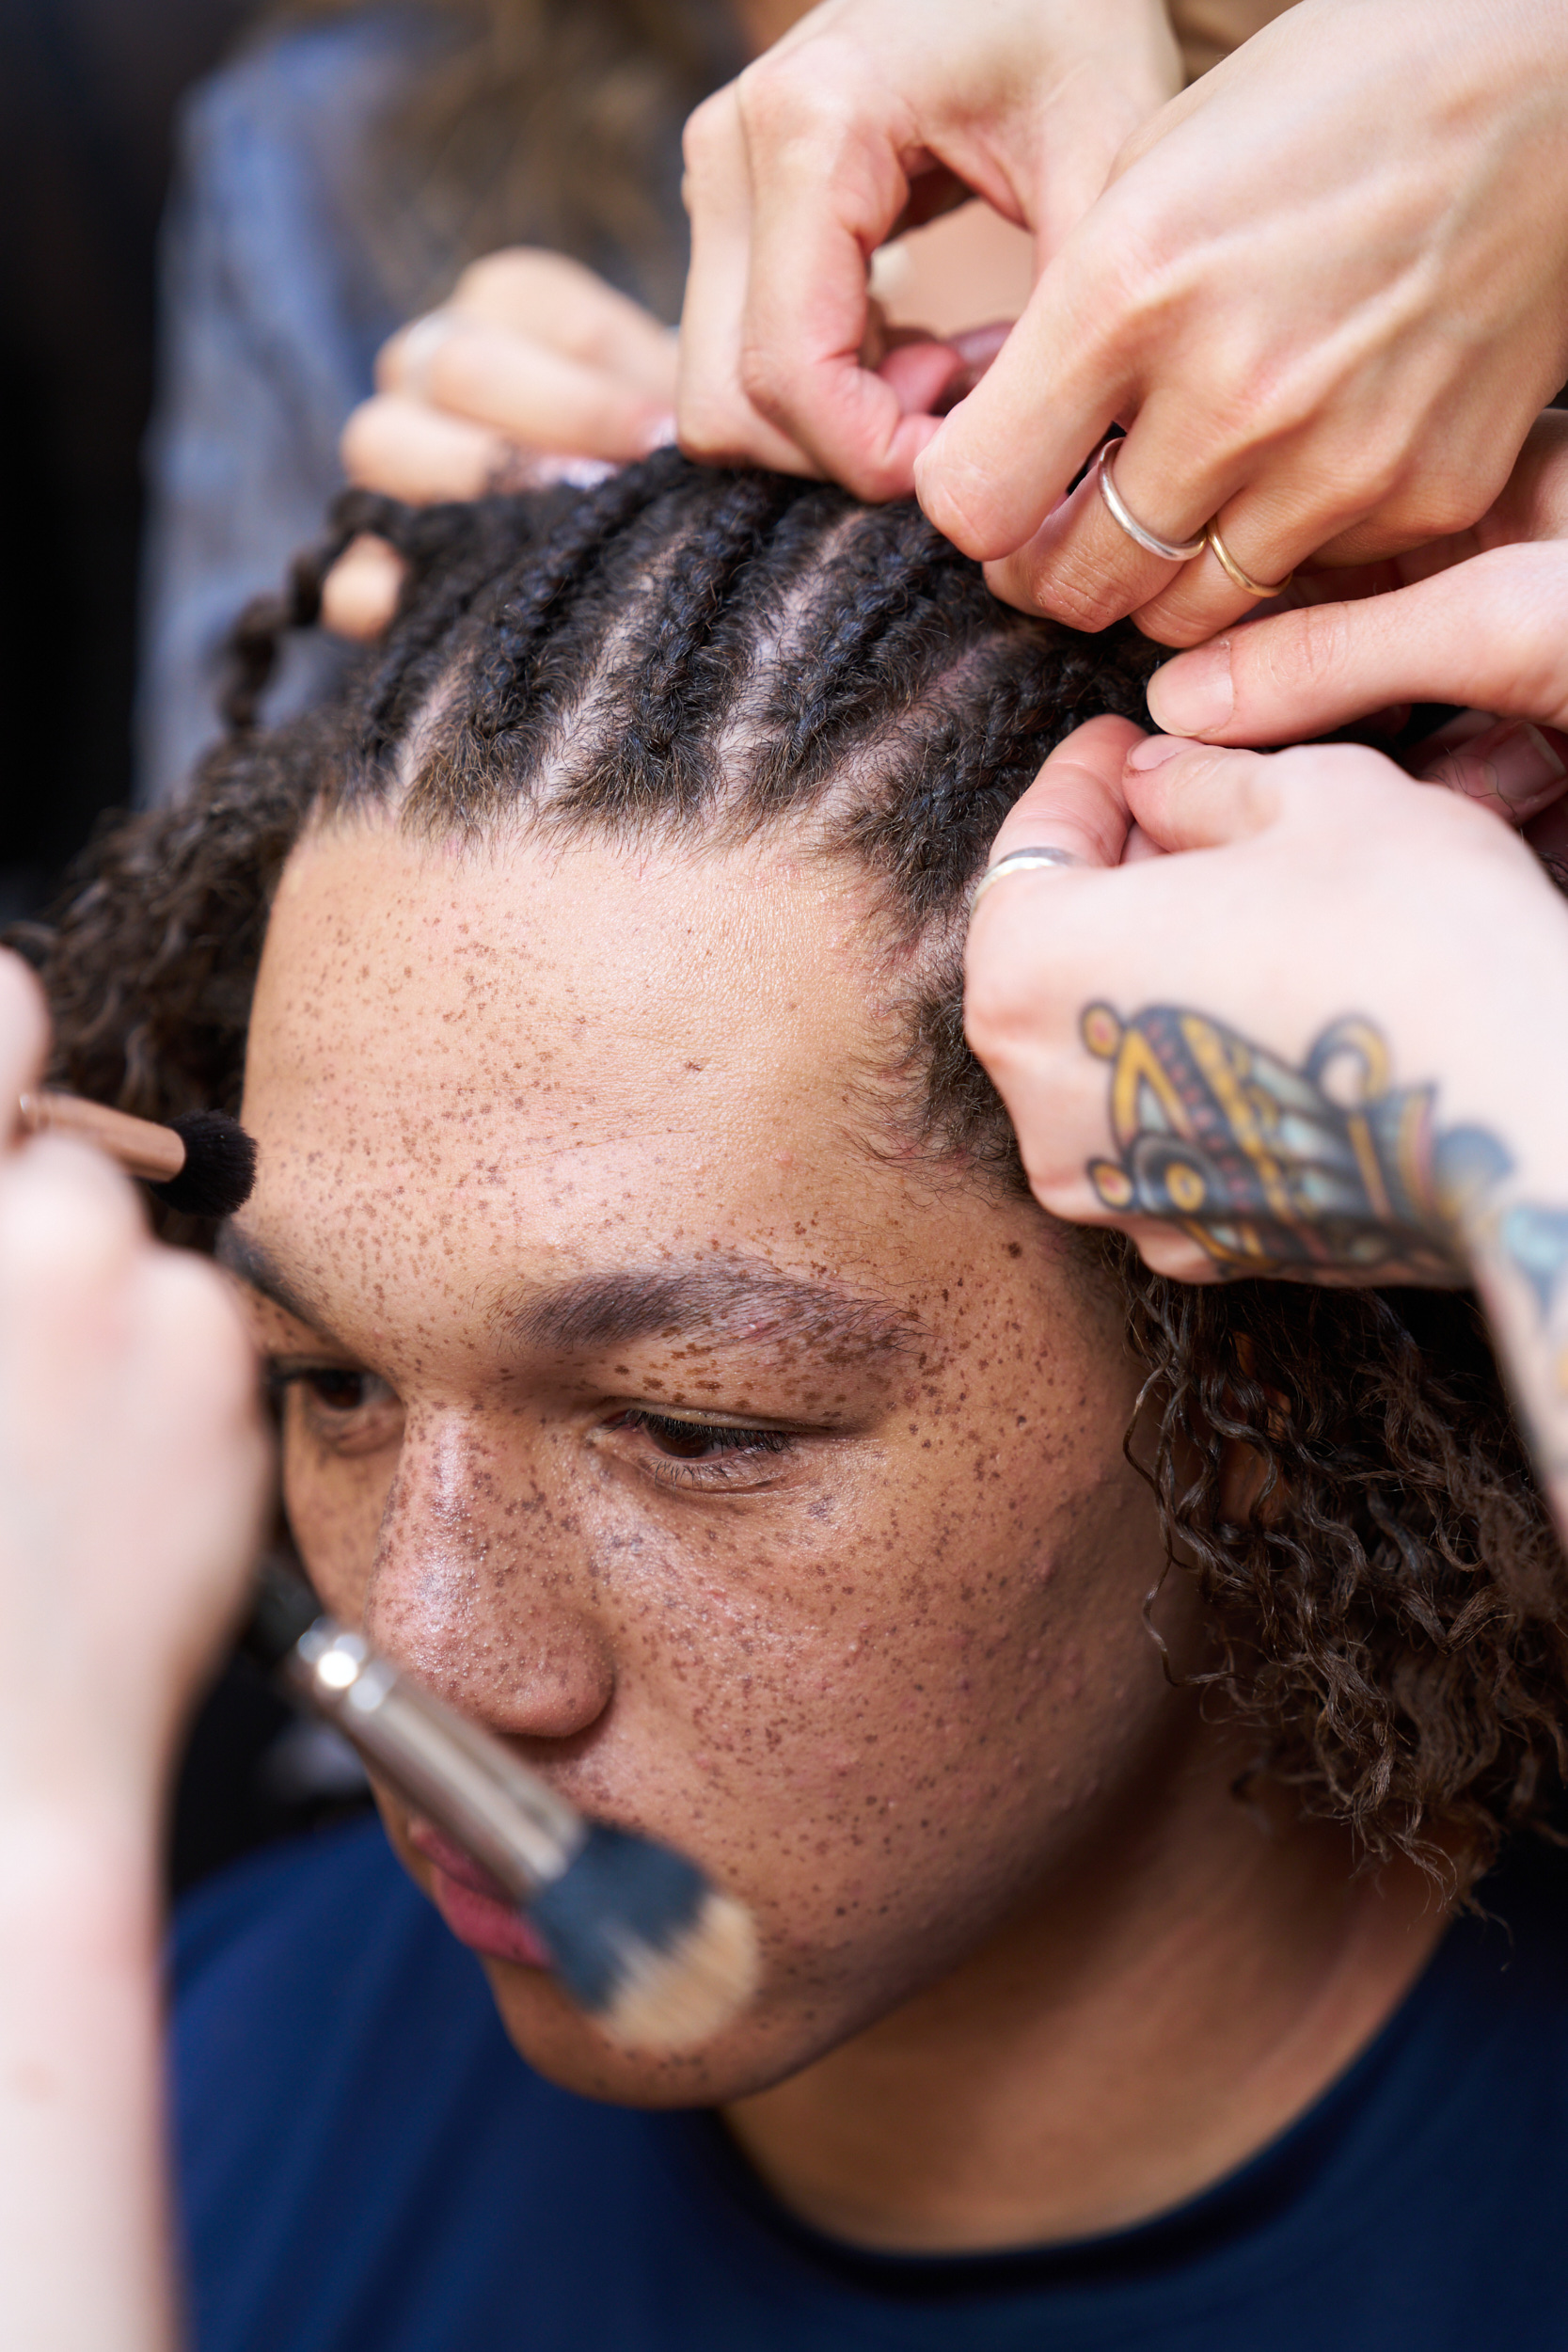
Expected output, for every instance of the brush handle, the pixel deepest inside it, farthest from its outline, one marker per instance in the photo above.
(464, 1778)
(155, 1153)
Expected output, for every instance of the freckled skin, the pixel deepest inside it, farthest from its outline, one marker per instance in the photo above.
(890, 1684)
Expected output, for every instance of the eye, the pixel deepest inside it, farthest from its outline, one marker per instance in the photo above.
(704, 1453)
(337, 1404)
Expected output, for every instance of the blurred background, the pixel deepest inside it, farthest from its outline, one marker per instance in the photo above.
(87, 96)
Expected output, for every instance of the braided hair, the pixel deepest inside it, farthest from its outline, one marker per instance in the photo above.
(706, 655)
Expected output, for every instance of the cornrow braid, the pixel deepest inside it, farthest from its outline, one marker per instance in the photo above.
(726, 653)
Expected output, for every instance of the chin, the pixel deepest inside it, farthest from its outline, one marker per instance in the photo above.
(559, 2042)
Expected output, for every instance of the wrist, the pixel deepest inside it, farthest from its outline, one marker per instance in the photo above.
(79, 1875)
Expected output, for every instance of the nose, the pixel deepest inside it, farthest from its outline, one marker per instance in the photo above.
(473, 1585)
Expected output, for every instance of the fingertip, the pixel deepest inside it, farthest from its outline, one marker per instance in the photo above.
(1076, 802)
(360, 593)
(1196, 694)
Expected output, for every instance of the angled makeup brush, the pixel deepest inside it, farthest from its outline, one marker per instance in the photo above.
(202, 1164)
(640, 1939)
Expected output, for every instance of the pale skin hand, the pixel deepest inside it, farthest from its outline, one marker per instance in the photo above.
(1311, 886)
(1479, 618)
(131, 1463)
(1324, 289)
(532, 366)
(798, 171)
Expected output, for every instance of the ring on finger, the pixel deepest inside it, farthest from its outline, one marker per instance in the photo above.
(1023, 861)
(1233, 572)
(1173, 551)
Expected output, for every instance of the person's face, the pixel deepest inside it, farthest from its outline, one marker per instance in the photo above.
(760, 1478)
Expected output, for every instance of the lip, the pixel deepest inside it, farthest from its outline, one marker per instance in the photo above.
(476, 1910)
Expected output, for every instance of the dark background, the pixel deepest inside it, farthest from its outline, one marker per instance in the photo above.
(88, 93)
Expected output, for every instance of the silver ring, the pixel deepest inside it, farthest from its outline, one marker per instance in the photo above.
(1174, 550)
(1019, 861)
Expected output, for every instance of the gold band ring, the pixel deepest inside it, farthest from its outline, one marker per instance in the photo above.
(1173, 551)
(1233, 572)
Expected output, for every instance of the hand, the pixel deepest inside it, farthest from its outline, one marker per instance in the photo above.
(1480, 619)
(1327, 290)
(1216, 1050)
(131, 1468)
(869, 114)
(533, 371)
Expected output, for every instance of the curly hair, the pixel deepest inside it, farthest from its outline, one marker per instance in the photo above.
(707, 655)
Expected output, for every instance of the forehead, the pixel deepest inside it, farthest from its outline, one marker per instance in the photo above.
(690, 1040)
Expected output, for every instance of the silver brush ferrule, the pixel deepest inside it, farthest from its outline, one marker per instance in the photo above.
(461, 1776)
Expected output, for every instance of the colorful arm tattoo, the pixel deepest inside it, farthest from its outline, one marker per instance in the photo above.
(1326, 1168)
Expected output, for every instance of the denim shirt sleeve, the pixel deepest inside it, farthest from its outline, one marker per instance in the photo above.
(271, 317)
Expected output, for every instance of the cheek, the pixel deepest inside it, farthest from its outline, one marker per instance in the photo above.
(334, 1510)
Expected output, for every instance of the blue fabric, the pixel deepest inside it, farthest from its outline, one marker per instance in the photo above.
(366, 2166)
(270, 318)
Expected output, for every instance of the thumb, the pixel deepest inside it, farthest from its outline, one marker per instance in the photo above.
(1077, 802)
(1189, 796)
(1490, 634)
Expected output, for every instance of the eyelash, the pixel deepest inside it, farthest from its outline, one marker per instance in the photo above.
(719, 1452)
(727, 1449)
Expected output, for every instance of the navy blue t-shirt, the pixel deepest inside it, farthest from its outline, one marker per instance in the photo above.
(367, 2166)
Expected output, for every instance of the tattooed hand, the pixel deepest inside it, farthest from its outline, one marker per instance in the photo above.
(1320, 1044)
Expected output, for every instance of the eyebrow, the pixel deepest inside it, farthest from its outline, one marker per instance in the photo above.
(729, 1300)
(255, 1265)
(734, 1300)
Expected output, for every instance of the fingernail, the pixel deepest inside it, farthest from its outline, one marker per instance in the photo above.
(1155, 750)
(1522, 762)
(1196, 692)
(1511, 764)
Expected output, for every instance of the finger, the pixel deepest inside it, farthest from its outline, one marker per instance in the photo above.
(360, 593)
(399, 445)
(1492, 633)
(559, 302)
(1189, 796)
(1170, 475)
(1004, 458)
(715, 419)
(1511, 766)
(1077, 802)
(23, 1037)
(1081, 565)
(827, 185)
(541, 398)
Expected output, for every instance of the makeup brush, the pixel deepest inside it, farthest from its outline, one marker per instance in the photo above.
(203, 1163)
(642, 1942)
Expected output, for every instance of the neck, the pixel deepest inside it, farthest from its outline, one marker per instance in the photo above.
(1154, 2016)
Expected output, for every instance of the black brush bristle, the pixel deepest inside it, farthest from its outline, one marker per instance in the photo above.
(620, 1895)
(220, 1165)
(282, 1608)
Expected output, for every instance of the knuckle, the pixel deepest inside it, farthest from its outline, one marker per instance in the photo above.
(502, 280)
(360, 441)
(761, 378)
(1079, 601)
(706, 132)
(711, 428)
(993, 1005)
(1312, 655)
